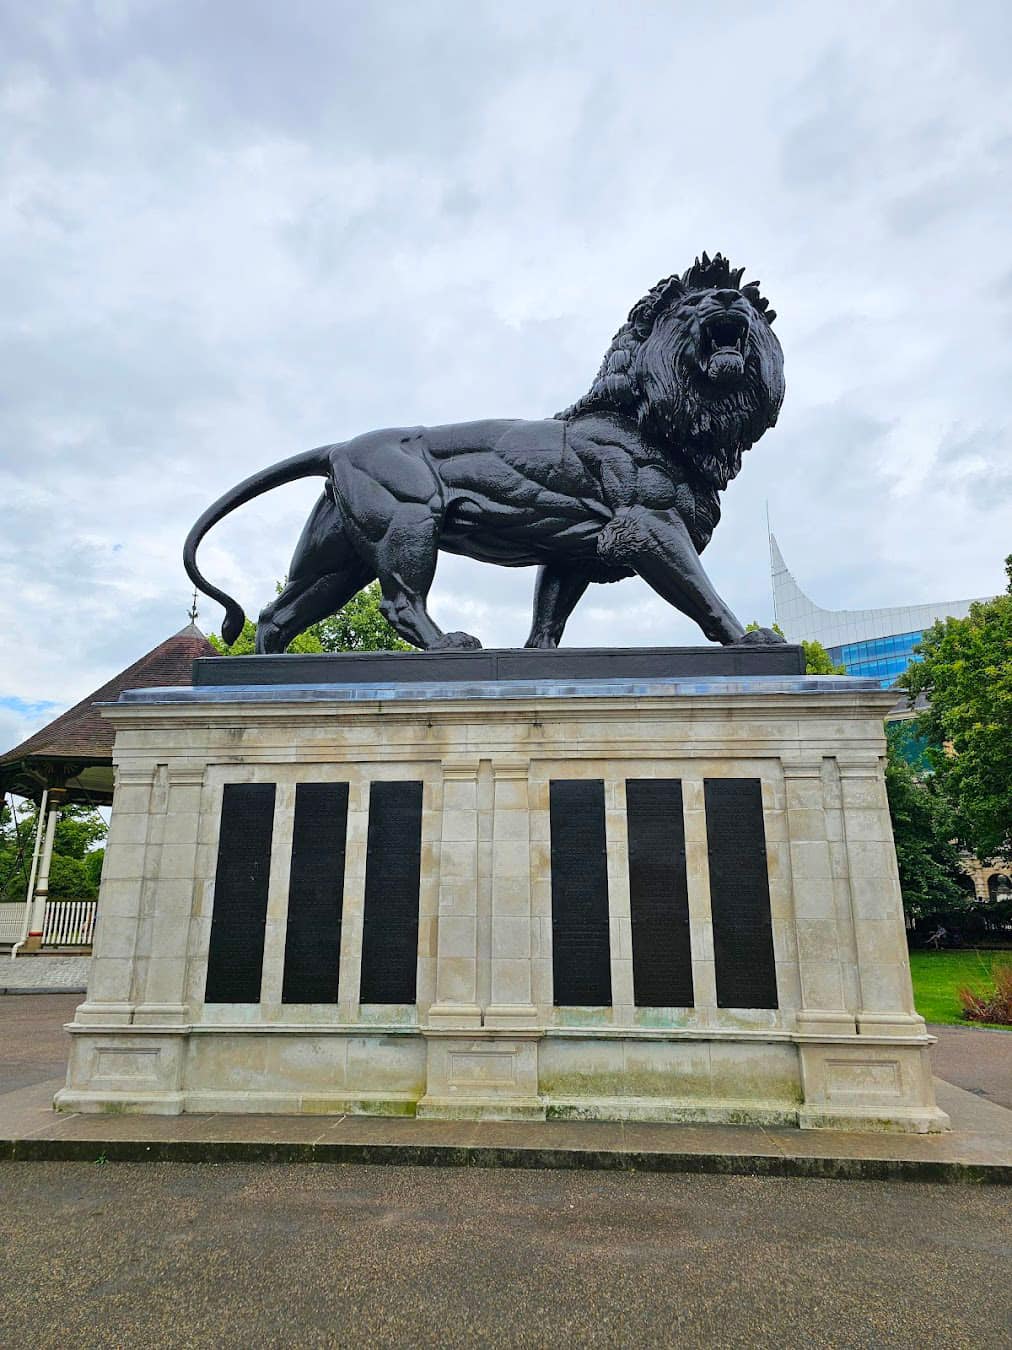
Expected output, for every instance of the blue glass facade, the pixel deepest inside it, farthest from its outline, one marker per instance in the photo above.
(882, 658)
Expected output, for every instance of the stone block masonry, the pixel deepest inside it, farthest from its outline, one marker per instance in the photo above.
(602, 898)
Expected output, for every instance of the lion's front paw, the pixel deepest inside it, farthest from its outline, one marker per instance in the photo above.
(455, 641)
(759, 637)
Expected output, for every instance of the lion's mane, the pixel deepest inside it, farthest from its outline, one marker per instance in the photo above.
(651, 374)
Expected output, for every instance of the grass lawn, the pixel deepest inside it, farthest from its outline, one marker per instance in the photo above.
(938, 975)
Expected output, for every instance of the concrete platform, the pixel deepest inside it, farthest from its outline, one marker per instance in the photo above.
(979, 1148)
(33, 1048)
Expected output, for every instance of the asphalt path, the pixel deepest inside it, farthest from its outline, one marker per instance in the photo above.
(978, 1059)
(33, 1044)
(236, 1255)
(124, 1255)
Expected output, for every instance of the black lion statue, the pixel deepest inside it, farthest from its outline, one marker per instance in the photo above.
(625, 482)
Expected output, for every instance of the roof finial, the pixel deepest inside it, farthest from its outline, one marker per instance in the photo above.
(193, 607)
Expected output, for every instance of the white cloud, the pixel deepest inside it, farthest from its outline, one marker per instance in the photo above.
(230, 232)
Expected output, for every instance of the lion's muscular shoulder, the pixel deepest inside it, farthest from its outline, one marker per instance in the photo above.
(635, 472)
(631, 472)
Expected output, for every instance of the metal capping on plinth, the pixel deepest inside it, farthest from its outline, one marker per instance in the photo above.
(502, 689)
(496, 664)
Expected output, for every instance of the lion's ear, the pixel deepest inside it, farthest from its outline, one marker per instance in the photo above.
(673, 290)
(644, 314)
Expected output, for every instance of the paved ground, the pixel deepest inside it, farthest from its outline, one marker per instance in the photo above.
(44, 972)
(182, 1254)
(33, 1044)
(199, 1255)
(976, 1059)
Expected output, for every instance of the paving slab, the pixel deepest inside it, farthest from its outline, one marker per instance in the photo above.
(44, 973)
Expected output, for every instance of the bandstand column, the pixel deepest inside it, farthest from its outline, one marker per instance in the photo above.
(37, 919)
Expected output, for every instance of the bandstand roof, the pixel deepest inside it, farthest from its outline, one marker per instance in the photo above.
(75, 749)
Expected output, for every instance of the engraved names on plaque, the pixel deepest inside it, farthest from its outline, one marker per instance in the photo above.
(236, 952)
(739, 894)
(581, 947)
(316, 894)
(658, 894)
(392, 879)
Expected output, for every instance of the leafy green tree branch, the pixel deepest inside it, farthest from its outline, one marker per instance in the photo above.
(359, 627)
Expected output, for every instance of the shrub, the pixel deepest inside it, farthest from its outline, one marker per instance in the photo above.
(995, 1007)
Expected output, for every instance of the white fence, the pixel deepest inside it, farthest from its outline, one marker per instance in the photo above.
(69, 923)
(12, 920)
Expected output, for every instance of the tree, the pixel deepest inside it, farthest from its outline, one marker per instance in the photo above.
(359, 627)
(79, 829)
(817, 659)
(77, 861)
(931, 877)
(245, 643)
(965, 674)
(93, 866)
(70, 879)
(17, 839)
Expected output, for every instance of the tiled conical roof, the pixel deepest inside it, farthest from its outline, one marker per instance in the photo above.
(82, 735)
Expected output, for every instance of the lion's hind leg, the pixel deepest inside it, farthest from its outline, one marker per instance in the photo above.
(325, 572)
(306, 601)
(394, 505)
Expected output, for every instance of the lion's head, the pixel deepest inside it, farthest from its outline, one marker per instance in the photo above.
(697, 364)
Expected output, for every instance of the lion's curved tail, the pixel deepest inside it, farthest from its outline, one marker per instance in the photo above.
(313, 463)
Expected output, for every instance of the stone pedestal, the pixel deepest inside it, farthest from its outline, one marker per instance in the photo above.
(767, 902)
(489, 1076)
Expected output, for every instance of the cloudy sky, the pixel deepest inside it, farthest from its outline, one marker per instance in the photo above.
(234, 229)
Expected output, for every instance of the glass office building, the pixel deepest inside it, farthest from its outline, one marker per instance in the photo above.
(871, 642)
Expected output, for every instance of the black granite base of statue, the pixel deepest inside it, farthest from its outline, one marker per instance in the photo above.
(441, 667)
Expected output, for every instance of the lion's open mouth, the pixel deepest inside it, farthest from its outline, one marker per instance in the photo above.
(722, 342)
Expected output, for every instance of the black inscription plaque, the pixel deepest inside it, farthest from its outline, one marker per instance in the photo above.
(581, 950)
(315, 894)
(392, 873)
(235, 955)
(658, 894)
(739, 894)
